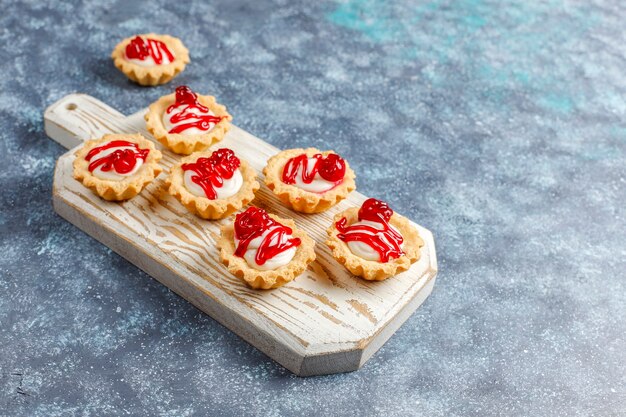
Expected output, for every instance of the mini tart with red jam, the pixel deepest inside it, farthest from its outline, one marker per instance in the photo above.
(264, 250)
(117, 167)
(308, 180)
(213, 185)
(373, 242)
(150, 59)
(186, 122)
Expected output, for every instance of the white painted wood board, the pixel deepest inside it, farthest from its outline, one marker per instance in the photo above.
(326, 321)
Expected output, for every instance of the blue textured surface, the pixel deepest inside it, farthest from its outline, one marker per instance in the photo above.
(498, 125)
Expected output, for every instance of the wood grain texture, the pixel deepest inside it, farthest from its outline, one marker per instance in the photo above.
(326, 321)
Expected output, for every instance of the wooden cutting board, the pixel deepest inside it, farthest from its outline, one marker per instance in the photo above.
(326, 321)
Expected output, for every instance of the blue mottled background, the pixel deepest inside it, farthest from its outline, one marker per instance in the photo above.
(499, 125)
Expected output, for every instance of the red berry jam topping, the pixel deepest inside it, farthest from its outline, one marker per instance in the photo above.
(386, 240)
(141, 49)
(121, 161)
(251, 224)
(193, 114)
(331, 168)
(212, 171)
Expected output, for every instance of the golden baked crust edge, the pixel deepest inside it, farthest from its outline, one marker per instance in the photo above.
(256, 279)
(372, 270)
(186, 144)
(202, 206)
(151, 76)
(123, 189)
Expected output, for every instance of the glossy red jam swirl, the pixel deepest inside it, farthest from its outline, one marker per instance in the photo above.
(331, 167)
(212, 171)
(186, 98)
(121, 161)
(386, 240)
(251, 224)
(141, 49)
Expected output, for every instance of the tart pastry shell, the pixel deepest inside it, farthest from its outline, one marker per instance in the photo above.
(186, 144)
(127, 187)
(372, 270)
(257, 279)
(297, 198)
(159, 74)
(204, 207)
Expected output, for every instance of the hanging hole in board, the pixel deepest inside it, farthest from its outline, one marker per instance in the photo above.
(71, 106)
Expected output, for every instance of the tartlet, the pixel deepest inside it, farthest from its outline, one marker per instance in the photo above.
(186, 122)
(308, 180)
(373, 242)
(150, 59)
(117, 167)
(264, 250)
(213, 185)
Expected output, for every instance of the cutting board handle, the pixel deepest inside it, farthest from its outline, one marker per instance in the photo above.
(87, 118)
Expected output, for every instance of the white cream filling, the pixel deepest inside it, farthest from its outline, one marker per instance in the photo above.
(362, 249)
(318, 185)
(111, 175)
(277, 261)
(229, 188)
(167, 122)
(149, 61)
